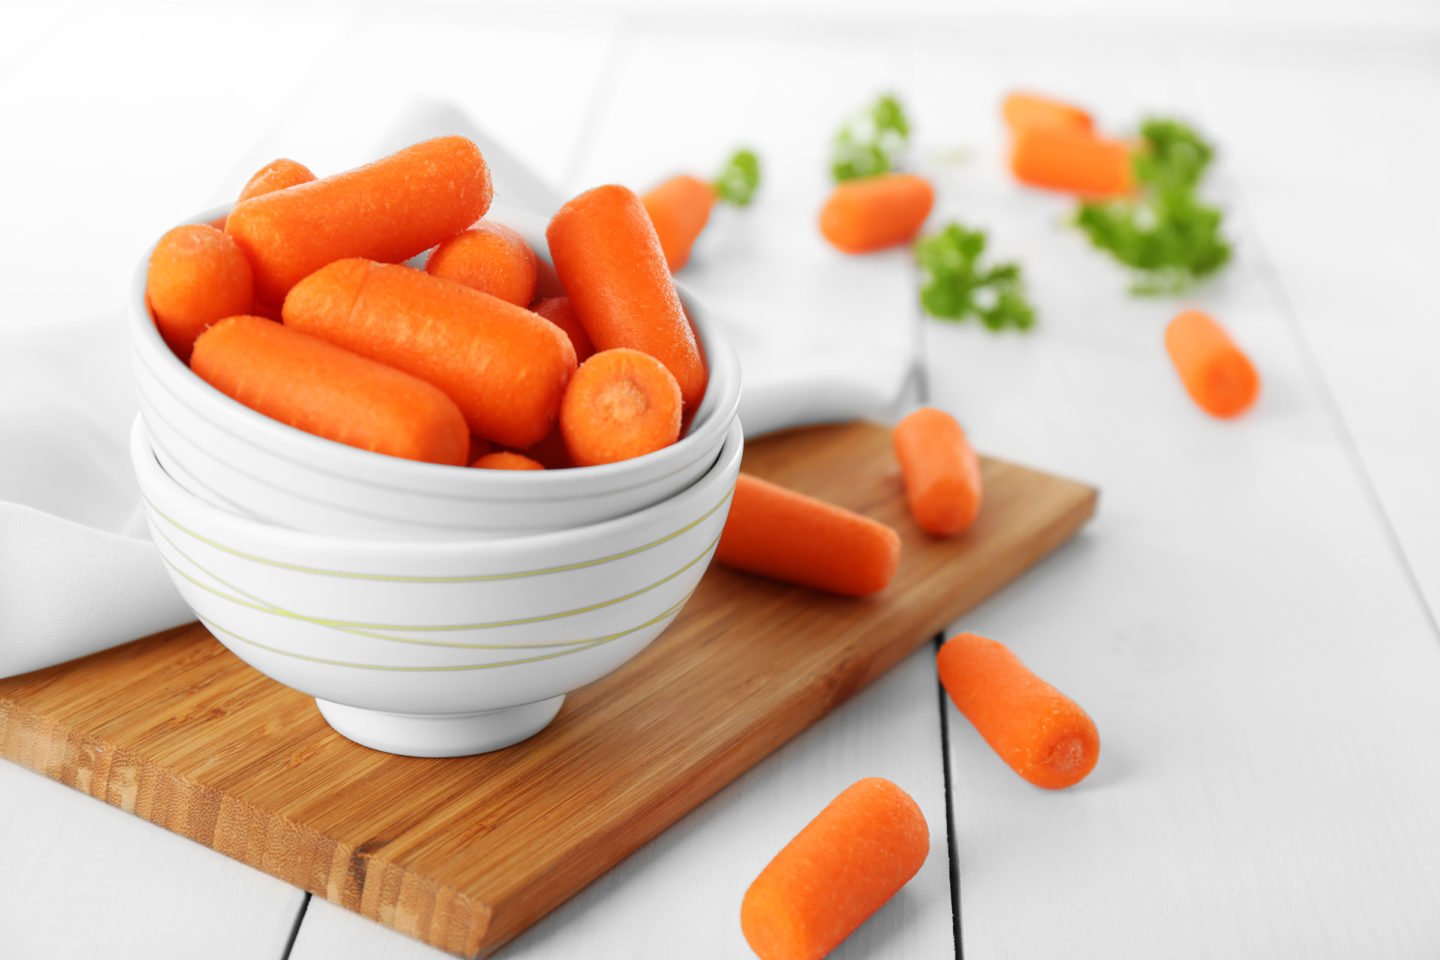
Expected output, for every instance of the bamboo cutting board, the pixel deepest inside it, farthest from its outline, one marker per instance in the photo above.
(466, 853)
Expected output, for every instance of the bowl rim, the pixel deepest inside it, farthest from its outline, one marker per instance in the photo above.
(708, 428)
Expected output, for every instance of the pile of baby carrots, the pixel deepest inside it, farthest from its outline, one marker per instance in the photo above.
(299, 305)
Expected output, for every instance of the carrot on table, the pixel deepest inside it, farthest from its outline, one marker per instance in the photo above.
(679, 208)
(1039, 732)
(842, 867)
(559, 312)
(1071, 160)
(505, 367)
(779, 533)
(489, 257)
(620, 404)
(940, 471)
(389, 210)
(319, 388)
(613, 269)
(505, 460)
(1216, 373)
(873, 213)
(196, 276)
(1029, 109)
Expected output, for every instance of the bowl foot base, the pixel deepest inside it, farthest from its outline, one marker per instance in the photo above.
(440, 735)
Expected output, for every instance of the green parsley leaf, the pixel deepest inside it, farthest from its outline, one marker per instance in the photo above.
(739, 178)
(871, 142)
(955, 285)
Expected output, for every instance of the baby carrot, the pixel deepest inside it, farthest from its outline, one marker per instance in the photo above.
(1042, 734)
(275, 175)
(489, 257)
(679, 208)
(1028, 109)
(505, 460)
(197, 275)
(940, 471)
(389, 210)
(505, 367)
(559, 312)
(319, 388)
(1218, 376)
(872, 213)
(1070, 159)
(786, 535)
(620, 404)
(847, 862)
(612, 266)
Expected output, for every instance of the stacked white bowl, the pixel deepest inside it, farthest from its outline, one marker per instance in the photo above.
(431, 610)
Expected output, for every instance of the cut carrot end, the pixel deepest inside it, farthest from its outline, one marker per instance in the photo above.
(940, 470)
(1216, 373)
(620, 404)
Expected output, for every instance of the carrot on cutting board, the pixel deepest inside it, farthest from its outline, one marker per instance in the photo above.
(847, 862)
(1039, 732)
(321, 389)
(489, 257)
(613, 269)
(505, 367)
(778, 533)
(505, 460)
(389, 210)
(940, 471)
(196, 276)
(873, 213)
(1216, 373)
(620, 404)
(559, 312)
(679, 208)
(1023, 110)
(1071, 160)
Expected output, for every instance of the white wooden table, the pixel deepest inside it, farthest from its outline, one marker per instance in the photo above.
(1251, 620)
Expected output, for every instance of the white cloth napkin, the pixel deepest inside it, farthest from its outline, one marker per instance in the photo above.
(819, 338)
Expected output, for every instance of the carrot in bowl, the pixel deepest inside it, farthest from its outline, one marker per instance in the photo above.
(275, 175)
(559, 312)
(940, 471)
(778, 533)
(613, 269)
(1072, 160)
(1039, 732)
(1029, 109)
(319, 388)
(489, 257)
(847, 862)
(505, 367)
(873, 213)
(506, 460)
(196, 276)
(389, 210)
(620, 404)
(1216, 373)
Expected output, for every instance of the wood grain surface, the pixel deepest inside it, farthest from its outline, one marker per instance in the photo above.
(466, 853)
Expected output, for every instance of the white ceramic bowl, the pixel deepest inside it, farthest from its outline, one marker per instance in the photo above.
(435, 648)
(249, 464)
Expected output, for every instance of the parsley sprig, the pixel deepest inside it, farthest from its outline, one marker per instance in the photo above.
(871, 142)
(955, 285)
(739, 178)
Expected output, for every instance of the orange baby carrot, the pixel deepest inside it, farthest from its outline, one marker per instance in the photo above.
(839, 870)
(505, 460)
(786, 535)
(489, 257)
(1072, 160)
(620, 404)
(559, 312)
(612, 266)
(940, 471)
(275, 175)
(389, 210)
(1218, 376)
(197, 275)
(319, 388)
(1042, 734)
(1028, 109)
(679, 208)
(505, 367)
(872, 213)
